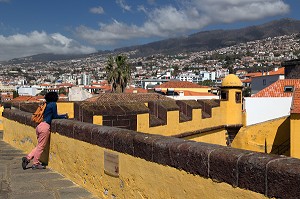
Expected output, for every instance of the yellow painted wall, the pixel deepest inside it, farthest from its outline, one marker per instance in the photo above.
(174, 127)
(228, 113)
(98, 119)
(254, 137)
(244, 118)
(295, 135)
(1, 118)
(232, 111)
(83, 163)
(212, 137)
(66, 107)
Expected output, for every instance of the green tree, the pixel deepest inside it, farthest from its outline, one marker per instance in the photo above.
(118, 73)
(15, 94)
(247, 92)
(62, 90)
(175, 71)
(206, 83)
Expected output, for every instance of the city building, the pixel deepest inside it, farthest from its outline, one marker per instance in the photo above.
(264, 79)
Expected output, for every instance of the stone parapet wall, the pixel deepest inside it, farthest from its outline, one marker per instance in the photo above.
(124, 115)
(115, 115)
(271, 175)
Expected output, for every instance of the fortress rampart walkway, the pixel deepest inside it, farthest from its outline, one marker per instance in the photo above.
(16, 183)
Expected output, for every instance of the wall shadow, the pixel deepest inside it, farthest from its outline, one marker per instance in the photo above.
(281, 145)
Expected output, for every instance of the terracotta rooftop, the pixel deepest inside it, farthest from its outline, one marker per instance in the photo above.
(280, 71)
(279, 88)
(137, 90)
(112, 98)
(180, 84)
(28, 99)
(62, 95)
(296, 101)
(246, 80)
(192, 93)
(65, 84)
(45, 85)
(103, 87)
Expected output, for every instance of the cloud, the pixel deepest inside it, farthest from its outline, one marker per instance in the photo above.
(20, 45)
(168, 20)
(141, 8)
(123, 5)
(228, 11)
(97, 10)
(5, 1)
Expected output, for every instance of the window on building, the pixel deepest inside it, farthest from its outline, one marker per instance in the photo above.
(288, 88)
(264, 82)
(224, 95)
(238, 97)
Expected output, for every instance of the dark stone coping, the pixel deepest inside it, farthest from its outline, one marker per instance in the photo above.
(271, 175)
(210, 102)
(121, 98)
(27, 106)
(167, 105)
(193, 104)
(205, 130)
(114, 109)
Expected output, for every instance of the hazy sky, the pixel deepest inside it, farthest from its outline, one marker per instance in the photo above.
(29, 27)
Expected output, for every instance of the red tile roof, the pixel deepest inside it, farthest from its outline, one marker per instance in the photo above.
(192, 93)
(277, 88)
(62, 95)
(103, 82)
(135, 90)
(45, 85)
(104, 87)
(280, 71)
(65, 84)
(247, 80)
(253, 74)
(180, 84)
(296, 101)
(28, 98)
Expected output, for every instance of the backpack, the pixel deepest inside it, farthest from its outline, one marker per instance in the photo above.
(38, 115)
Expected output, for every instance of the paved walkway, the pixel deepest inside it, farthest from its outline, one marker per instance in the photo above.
(16, 183)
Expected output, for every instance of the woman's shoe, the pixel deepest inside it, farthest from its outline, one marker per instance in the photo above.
(38, 166)
(25, 162)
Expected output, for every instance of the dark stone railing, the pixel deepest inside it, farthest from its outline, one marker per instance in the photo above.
(124, 115)
(272, 175)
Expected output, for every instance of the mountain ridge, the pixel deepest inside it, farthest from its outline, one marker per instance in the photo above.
(200, 41)
(214, 39)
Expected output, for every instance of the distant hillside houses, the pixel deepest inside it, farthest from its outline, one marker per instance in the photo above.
(203, 75)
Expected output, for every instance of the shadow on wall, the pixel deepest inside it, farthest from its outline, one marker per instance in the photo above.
(281, 144)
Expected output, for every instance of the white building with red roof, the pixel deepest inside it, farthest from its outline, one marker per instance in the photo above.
(184, 90)
(272, 102)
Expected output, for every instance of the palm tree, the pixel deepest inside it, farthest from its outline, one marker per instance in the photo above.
(118, 73)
